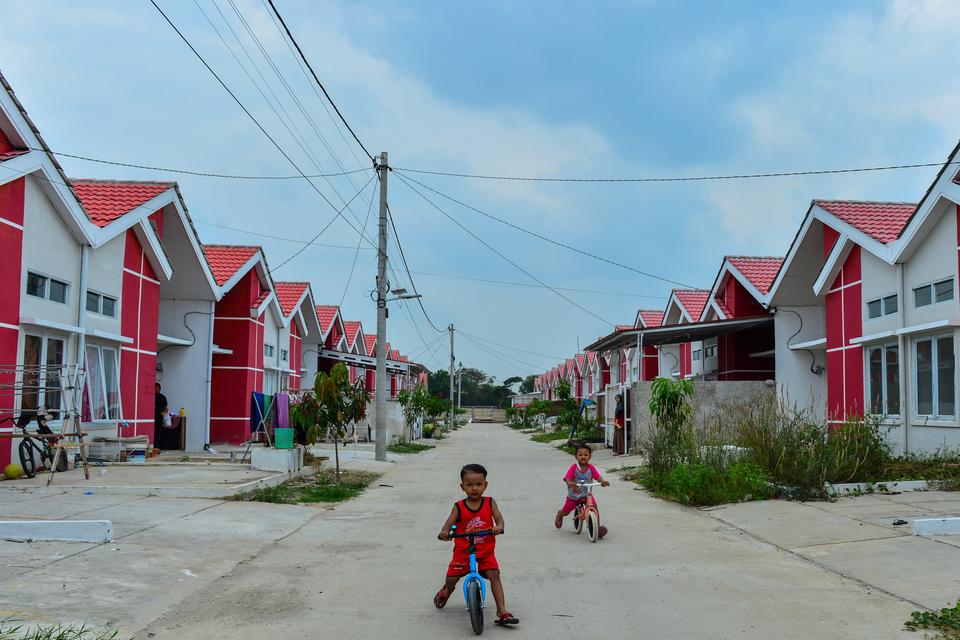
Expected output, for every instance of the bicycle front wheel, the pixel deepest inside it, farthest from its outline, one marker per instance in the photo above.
(578, 521)
(27, 462)
(593, 525)
(475, 606)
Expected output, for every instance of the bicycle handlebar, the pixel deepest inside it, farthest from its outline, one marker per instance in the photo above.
(473, 534)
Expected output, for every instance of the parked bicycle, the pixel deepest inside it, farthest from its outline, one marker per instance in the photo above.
(32, 449)
(474, 588)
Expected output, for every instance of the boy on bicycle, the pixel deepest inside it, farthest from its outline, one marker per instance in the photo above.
(580, 472)
(474, 513)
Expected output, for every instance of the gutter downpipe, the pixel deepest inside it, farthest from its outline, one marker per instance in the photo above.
(903, 356)
(82, 324)
(206, 400)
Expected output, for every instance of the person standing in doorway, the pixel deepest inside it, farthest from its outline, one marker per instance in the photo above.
(619, 433)
(160, 409)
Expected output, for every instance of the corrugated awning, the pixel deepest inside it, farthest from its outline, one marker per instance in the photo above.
(677, 333)
(368, 362)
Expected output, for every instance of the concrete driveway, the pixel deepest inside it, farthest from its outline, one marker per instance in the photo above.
(370, 567)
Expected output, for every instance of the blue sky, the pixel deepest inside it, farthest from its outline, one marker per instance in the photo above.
(639, 88)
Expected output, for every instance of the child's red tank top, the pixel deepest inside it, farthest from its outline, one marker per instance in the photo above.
(470, 520)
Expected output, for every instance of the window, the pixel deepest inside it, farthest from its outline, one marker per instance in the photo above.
(284, 355)
(932, 293)
(696, 354)
(99, 303)
(882, 306)
(42, 368)
(102, 398)
(268, 350)
(934, 368)
(710, 351)
(269, 382)
(884, 391)
(48, 288)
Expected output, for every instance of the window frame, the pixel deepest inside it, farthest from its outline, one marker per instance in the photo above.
(883, 348)
(710, 351)
(47, 279)
(100, 298)
(284, 355)
(934, 377)
(100, 348)
(43, 368)
(883, 303)
(268, 350)
(931, 288)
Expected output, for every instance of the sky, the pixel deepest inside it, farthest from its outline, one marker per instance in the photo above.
(638, 88)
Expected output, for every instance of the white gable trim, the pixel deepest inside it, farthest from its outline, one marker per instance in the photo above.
(225, 288)
(151, 246)
(831, 268)
(791, 254)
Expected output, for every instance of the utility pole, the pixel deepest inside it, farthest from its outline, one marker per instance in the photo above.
(451, 418)
(460, 386)
(380, 401)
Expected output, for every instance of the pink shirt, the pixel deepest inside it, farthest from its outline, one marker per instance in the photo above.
(581, 477)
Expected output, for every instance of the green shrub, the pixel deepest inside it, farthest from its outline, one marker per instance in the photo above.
(550, 436)
(700, 484)
(946, 621)
(428, 430)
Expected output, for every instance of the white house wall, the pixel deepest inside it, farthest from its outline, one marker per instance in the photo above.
(935, 259)
(49, 249)
(797, 384)
(105, 276)
(184, 371)
(669, 360)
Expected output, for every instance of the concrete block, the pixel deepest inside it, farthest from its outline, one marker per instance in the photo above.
(936, 526)
(282, 460)
(59, 530)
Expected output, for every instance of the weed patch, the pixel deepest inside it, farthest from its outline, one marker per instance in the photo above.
(550, 436)
(409, 447)
(945, 621)
(701, 484)
(9, 630)
(320, 487)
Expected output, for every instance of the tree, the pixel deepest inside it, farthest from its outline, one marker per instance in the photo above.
(338, 403)
(509, 382)
(527, 385)
(414, 405)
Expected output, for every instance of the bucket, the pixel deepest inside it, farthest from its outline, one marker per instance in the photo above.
(283, 438)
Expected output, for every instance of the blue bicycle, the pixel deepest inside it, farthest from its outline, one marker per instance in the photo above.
(474, 588)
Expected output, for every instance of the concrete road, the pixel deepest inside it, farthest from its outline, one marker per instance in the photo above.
(369, 568)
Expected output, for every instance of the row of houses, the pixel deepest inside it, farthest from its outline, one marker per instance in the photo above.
(860, 316)
(110, 277)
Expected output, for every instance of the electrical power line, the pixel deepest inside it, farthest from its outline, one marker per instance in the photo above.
(327, 226)
(536, 286)
(494, 250)
(282, 238)
(539, 235)
(320, 84)
(191, 172)
(250, 115)
(505, 346)
(356, 254)
(409, 276)
(516, 364)
(737, 176)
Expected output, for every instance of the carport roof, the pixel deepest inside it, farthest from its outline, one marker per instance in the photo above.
(677, 333)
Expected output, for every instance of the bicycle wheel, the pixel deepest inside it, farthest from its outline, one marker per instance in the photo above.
(61, 462)
(578, 521)
(593, 525)
(27, 462)
(475, 606)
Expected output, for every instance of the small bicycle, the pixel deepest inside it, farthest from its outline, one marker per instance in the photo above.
(587, 512)
(32, 449)
(474, 588)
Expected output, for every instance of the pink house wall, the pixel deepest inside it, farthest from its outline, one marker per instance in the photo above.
(11, 252)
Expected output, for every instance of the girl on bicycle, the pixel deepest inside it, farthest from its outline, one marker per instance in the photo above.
(580, 472)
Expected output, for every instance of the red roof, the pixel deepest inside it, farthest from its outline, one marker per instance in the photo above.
(8, 155)
(760, 271)
(581, 360)
(882, 221)
(370, 342)
(394, 355)
(404, 359)
(105, 200)
(570, 365)
(651, 318)
(326, 313)
(289, 294)
(623, 327)
(591, 357)
(351, 328)
(693, 300)
(226, 260)
(724, 309)
(259, 301)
